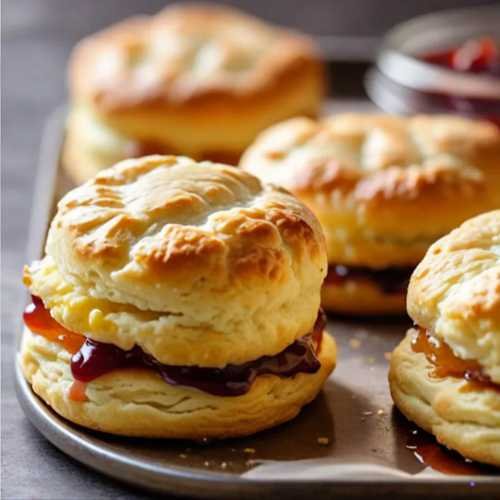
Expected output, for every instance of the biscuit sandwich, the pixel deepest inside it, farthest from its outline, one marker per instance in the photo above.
(178, 299)
(445, 375)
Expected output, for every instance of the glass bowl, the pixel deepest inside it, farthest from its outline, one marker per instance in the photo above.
(402, 82)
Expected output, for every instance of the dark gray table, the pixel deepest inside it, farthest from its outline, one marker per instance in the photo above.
(37, 36)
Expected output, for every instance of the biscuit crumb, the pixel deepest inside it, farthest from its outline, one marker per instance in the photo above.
(206, 463)
(367, 413)
(249, 450)
(323, 441)
(380, 412)
(182, 455)
(223, 465)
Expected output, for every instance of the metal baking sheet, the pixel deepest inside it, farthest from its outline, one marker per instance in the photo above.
(349, 442)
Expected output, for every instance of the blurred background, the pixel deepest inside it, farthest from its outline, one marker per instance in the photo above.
(37, 37)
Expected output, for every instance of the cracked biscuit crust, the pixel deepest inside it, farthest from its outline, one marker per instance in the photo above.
(455, 292)
(184, 55)
(198, 263)
(467, 421)
(383, 187)
(140, 403)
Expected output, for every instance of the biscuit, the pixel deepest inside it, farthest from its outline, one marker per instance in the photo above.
(452, 388)
(166, 262)
(180, 82)
(384, 188)
(455, 291)
(160, 245)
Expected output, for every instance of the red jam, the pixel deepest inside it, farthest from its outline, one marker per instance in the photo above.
(474, 56)
(479, 56)
(392, 280)
(446, 364)
(37, 318)
(93, 359)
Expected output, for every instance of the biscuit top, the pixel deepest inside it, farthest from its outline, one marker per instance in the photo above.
(455, 291)
(197, 263)
(185, 52)
(389, 172)
(160, 227)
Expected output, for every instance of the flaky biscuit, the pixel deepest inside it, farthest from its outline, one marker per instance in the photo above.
(383, 187)
(455, 291)
(199, 264)
(465, 420)
(181, 81)
(140, 403)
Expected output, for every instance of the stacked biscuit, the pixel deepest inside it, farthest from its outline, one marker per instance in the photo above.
(192, 293)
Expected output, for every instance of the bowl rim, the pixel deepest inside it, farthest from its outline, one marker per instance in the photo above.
(408, 70)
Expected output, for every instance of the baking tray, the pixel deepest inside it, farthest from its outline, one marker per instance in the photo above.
(350, 442)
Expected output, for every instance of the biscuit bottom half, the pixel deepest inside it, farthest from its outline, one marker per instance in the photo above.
(365, 291)
(463, 415)
(138, 402)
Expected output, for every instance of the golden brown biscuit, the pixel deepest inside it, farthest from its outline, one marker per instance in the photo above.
(199, 80)
(383, 188)
(193, 271)
(445, 375)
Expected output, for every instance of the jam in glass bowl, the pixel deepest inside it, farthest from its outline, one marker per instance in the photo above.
(447, 62)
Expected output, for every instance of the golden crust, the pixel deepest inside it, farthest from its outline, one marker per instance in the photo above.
(455, 291)
(467, 421)
(184, 55)
(179, 83)
(360, 297)
(140, 403)
(196, 263)
(383, 187)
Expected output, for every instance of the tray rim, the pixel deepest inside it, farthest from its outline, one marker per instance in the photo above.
(178, 480)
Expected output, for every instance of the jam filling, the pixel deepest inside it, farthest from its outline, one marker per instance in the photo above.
(392, 280)
(91, 359)
(446, 364)
(474, 56)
